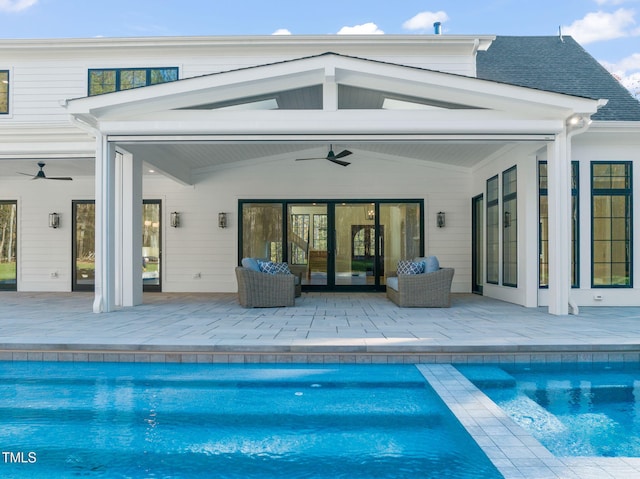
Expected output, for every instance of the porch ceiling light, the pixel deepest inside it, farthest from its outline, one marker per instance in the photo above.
(54, 220)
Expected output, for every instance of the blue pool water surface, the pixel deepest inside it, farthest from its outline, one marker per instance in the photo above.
(573, 410)
(62, 420)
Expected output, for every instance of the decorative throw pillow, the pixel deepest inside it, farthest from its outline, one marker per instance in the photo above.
(410, 267)
(270, 267)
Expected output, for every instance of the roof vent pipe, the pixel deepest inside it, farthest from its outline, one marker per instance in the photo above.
(437, 27)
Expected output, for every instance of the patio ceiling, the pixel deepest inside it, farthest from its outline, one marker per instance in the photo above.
(197, 157)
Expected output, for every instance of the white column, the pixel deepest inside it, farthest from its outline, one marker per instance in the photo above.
(104, 297)
(129, 230)
(559, 198)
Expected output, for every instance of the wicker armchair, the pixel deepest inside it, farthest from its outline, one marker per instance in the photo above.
(426, 290)
(262, 290)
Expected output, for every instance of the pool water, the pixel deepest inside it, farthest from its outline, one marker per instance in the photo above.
(573, 410)
(167, 421)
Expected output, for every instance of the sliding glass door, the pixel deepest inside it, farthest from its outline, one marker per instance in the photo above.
(333, 245)
(8, 245)
(84, 239)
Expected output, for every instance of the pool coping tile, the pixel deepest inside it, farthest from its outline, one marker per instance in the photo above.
(512, 450)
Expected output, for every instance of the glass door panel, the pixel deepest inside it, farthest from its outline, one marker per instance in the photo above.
(400, 235)
(262, 231)
(355, 244)
(151, 245)
(308, 252)
(8, 245)
(84, 241)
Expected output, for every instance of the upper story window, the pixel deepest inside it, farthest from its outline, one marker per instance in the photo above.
(4, 92)
(108, 80)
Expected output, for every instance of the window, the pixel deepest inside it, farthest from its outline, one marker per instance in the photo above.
(493, 228)
(320, 232)
(611, 253)
(8, 245)
(117, 79)
(510, 227)
(4, 92)
(544, 225)
(299, 238)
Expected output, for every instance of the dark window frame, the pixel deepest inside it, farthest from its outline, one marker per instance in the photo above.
(575, 224)
(509, 224)
(627, 193)
(493, 263)
(6, 94)
(118, 77)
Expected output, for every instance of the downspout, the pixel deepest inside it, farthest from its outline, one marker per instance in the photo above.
(576, 125)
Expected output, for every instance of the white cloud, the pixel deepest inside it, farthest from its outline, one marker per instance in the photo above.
(281, 31)
(597, 26)
(425, 20)
(16, 5)
(611, 2)
(627, 71)
(364, 29)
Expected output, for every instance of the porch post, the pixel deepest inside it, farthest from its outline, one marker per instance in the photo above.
(559, 198)
(104, 296)
(129, 229)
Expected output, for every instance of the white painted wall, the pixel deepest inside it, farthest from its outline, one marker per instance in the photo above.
(199, 246)
(44, 74)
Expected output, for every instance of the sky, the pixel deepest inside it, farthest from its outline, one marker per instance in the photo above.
(608, 29)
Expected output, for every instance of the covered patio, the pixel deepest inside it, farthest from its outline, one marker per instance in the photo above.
(320, 328)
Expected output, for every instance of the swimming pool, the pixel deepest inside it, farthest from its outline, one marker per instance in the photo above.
(574, 410)
(157, 420)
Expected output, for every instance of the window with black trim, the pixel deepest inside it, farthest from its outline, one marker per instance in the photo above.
(4, 92)
(109, 80)
(543, 247)
(493, 230)
(611, 225)
(510, 227)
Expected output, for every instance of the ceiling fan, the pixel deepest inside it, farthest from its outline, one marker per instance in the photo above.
(41, 176)
(332, 157)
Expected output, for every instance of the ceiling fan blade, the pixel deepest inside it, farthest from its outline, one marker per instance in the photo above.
(338, 162)
(305, 159)
(63, 178)
(27, 174)
(343, 153)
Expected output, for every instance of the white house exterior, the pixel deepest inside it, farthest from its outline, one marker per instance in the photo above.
(426, 133)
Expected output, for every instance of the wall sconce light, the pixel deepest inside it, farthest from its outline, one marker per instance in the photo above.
(440, 219)
(507, 219)
(175, 219)
(54, 220)
(371, 213)
(222, 220)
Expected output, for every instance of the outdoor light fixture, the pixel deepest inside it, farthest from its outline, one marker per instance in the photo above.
(175, 219)
(222, 220)
(371, 213)
(507, 219)
(54, 220)
(440, 219)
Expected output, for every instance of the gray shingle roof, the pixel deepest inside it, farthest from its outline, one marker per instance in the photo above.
(558, 65)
